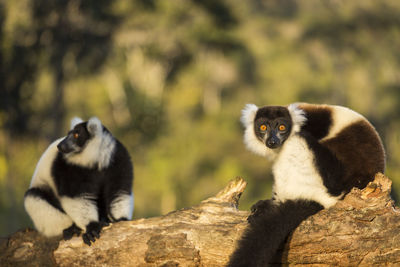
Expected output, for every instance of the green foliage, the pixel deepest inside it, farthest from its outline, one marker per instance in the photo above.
(169, 79)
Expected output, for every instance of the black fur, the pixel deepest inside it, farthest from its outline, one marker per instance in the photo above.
(92, 233)
(65, 146)
(69, 232)
(97, 181)
(72, 180)
(349, 159)
(269, 225)
(329, 167)
(360, 147)
(46, 194)
(319, 121)
(272, 112)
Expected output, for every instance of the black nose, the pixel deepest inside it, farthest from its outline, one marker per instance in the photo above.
(272, 142)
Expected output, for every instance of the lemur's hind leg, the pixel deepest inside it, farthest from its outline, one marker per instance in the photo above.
(46, 212)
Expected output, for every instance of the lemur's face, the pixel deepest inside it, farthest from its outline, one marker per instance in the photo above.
(272, 125)
(75, 140)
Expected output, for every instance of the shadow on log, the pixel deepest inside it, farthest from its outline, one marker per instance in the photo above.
(363, 229)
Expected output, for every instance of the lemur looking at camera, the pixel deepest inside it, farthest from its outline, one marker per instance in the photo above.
(319, 153)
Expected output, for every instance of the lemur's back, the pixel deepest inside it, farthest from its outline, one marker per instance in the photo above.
(351, 138)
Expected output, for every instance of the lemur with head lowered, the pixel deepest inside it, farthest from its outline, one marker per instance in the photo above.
(319, 153)
(81, 183)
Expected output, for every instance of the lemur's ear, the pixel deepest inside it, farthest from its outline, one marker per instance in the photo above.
(75, 121)
(298, 116)
(248, 114)
(94, 126)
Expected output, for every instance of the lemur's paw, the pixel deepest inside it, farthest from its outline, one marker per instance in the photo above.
(121, 219)
(92, 233)
(69, 232)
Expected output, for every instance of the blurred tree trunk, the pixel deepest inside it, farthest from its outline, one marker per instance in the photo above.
(9, 181)
(58, 108)
(361, 230)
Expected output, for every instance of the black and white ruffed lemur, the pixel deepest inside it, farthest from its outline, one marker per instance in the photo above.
(81, 183)
(319, 153)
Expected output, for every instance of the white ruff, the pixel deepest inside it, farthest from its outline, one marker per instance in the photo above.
(296, 177)
(122, 206)
(82, 210)
(99, 150)
(47, 220)
(250, 140)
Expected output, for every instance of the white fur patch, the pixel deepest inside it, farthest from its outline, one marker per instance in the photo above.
(75, 121)
(341, 118)
(296, 176)
(122, 206)
(82, 210)
(47, 220)
(298, 117)
(42, 173)
(99, 150)
(250, 140)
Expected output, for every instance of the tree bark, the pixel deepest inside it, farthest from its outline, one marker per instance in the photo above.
(361, 230)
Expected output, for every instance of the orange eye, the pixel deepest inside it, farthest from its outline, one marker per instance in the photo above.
(263, 127)
(282, 127)
(76, 135)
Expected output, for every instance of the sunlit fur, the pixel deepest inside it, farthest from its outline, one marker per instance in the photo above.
(296, 177)
(122, 206)
(342, 117)
(82, 209)
(42, 173)
(65, 188)
(329, 150)
(295, 172)
(47, 219)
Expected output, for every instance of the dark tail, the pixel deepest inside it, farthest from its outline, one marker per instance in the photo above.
(269, 225)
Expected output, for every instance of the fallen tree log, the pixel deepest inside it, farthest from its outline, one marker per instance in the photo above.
(363, 229)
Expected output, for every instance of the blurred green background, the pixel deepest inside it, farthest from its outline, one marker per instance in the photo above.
(169, 79)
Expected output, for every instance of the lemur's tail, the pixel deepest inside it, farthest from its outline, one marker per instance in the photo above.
(269, 225)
